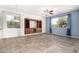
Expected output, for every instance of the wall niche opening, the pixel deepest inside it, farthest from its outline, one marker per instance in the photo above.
(32, 26)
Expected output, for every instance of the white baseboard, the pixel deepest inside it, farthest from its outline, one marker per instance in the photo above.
(22, 35)
(74, 37)
(32, 34)
(67, 36)
(42, 33)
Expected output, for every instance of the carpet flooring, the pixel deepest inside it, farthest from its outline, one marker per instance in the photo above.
(42, 43)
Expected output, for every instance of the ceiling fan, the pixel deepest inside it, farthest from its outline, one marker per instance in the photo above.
(48, 12)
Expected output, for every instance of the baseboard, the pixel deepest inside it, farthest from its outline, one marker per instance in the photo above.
(33, 34)
(74, 37)
(67, 36)
(43, 33)
(61, 35)
(22, 35)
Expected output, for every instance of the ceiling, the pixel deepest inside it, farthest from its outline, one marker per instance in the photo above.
(38, 9)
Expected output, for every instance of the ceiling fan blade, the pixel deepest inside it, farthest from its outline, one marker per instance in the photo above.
(50, 13)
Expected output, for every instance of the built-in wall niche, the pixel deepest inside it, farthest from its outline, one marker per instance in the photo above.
(32, 26)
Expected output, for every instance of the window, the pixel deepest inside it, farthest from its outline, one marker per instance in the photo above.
(59, 22)
(13, 21)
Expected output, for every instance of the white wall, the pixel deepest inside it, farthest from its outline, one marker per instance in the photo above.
(32, 17)
(1, 34)
(13, 32)
(43, 25)
(1, 22)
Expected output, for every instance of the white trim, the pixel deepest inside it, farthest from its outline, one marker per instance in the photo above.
(41, 33)
(67, 36)
(33, 34)
(23, 35)
(74, 37)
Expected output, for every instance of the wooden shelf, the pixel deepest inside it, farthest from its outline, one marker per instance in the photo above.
(29, 30)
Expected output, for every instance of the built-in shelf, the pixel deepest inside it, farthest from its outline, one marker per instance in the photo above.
(32, 28)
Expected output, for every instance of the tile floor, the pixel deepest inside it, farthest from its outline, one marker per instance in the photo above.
(42, 43)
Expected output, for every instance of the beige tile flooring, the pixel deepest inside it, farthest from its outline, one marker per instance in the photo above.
(42, 43)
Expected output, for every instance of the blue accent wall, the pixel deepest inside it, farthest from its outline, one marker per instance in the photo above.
(75, 23)
(48, 25)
